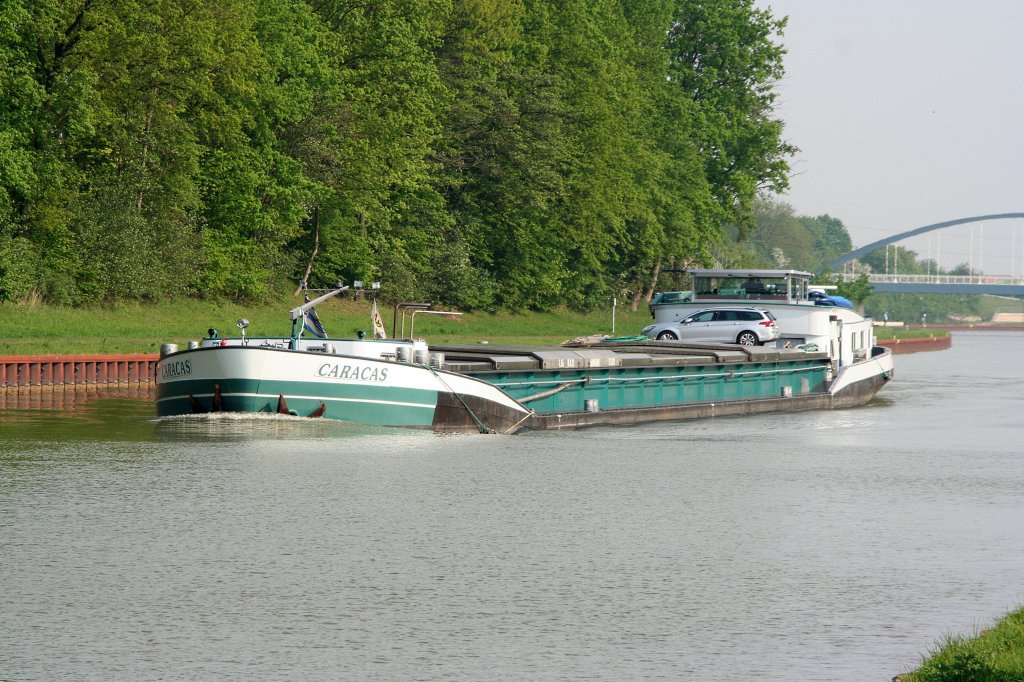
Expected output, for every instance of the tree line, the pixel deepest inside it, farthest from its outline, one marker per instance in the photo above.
(911, 307)
(489, 154)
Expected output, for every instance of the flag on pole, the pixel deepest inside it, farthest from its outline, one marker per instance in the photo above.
(378, 324)
(311, 322)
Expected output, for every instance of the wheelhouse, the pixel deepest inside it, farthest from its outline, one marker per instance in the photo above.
(788, 286)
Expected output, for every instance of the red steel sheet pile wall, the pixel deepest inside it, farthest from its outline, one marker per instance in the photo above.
(901, 346)
(76, 371)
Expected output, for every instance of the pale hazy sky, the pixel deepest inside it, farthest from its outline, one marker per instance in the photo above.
(908, 113)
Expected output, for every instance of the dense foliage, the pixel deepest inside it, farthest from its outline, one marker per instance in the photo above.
(483, 153)
(784, 240)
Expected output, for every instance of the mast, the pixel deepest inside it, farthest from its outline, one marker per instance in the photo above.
(298, 314)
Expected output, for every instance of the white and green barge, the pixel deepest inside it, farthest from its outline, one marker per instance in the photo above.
(505, 389)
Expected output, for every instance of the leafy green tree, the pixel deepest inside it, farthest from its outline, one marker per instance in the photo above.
(893, 260)
(19, 98)
(528, 153)
(725, 59)
(111, 135)
(781, 238)
(857, 291)
(963, 270)
(676, 216)
(167, 69)
(572, 171)
(614, 158)
(45, 123)
(500, 156)
(367, 138)
(831, 239)
(908, 308)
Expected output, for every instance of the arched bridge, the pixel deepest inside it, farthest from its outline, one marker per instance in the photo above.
(935, 284)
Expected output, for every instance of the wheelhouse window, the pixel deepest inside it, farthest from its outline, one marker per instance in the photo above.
(742, 287)
(773, 285)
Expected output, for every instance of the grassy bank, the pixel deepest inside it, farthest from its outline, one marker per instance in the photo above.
(995, 655)
(889, 333)
(135, 328)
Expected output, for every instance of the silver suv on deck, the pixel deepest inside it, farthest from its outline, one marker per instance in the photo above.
(745, 326)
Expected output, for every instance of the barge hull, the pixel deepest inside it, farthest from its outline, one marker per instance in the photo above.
(505, 389)
(855, 395)
(255, 379)
(854, 386)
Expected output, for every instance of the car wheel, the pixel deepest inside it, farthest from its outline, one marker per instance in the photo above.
(747, 339)
(667, 336)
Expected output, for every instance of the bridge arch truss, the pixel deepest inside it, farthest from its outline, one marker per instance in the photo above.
(874, 246)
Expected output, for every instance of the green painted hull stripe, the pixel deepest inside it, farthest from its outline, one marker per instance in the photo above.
(272, 396)
(368, 404)
(360, 412)
(311, 390)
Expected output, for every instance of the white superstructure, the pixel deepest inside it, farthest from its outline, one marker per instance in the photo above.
(845, 334)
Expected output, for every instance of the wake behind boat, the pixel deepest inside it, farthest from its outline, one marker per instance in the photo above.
(505, 389)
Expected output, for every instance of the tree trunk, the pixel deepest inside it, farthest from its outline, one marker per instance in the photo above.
(312, 256)
(649, 294)
(635, 301)
(650, 290)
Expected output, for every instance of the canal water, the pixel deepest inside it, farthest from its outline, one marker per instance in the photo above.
(814, 546)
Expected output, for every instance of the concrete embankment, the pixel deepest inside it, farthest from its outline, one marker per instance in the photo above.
(19, 373)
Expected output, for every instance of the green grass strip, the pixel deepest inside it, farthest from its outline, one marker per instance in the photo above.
(138, 328)
(141, 328)
(994, 655)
